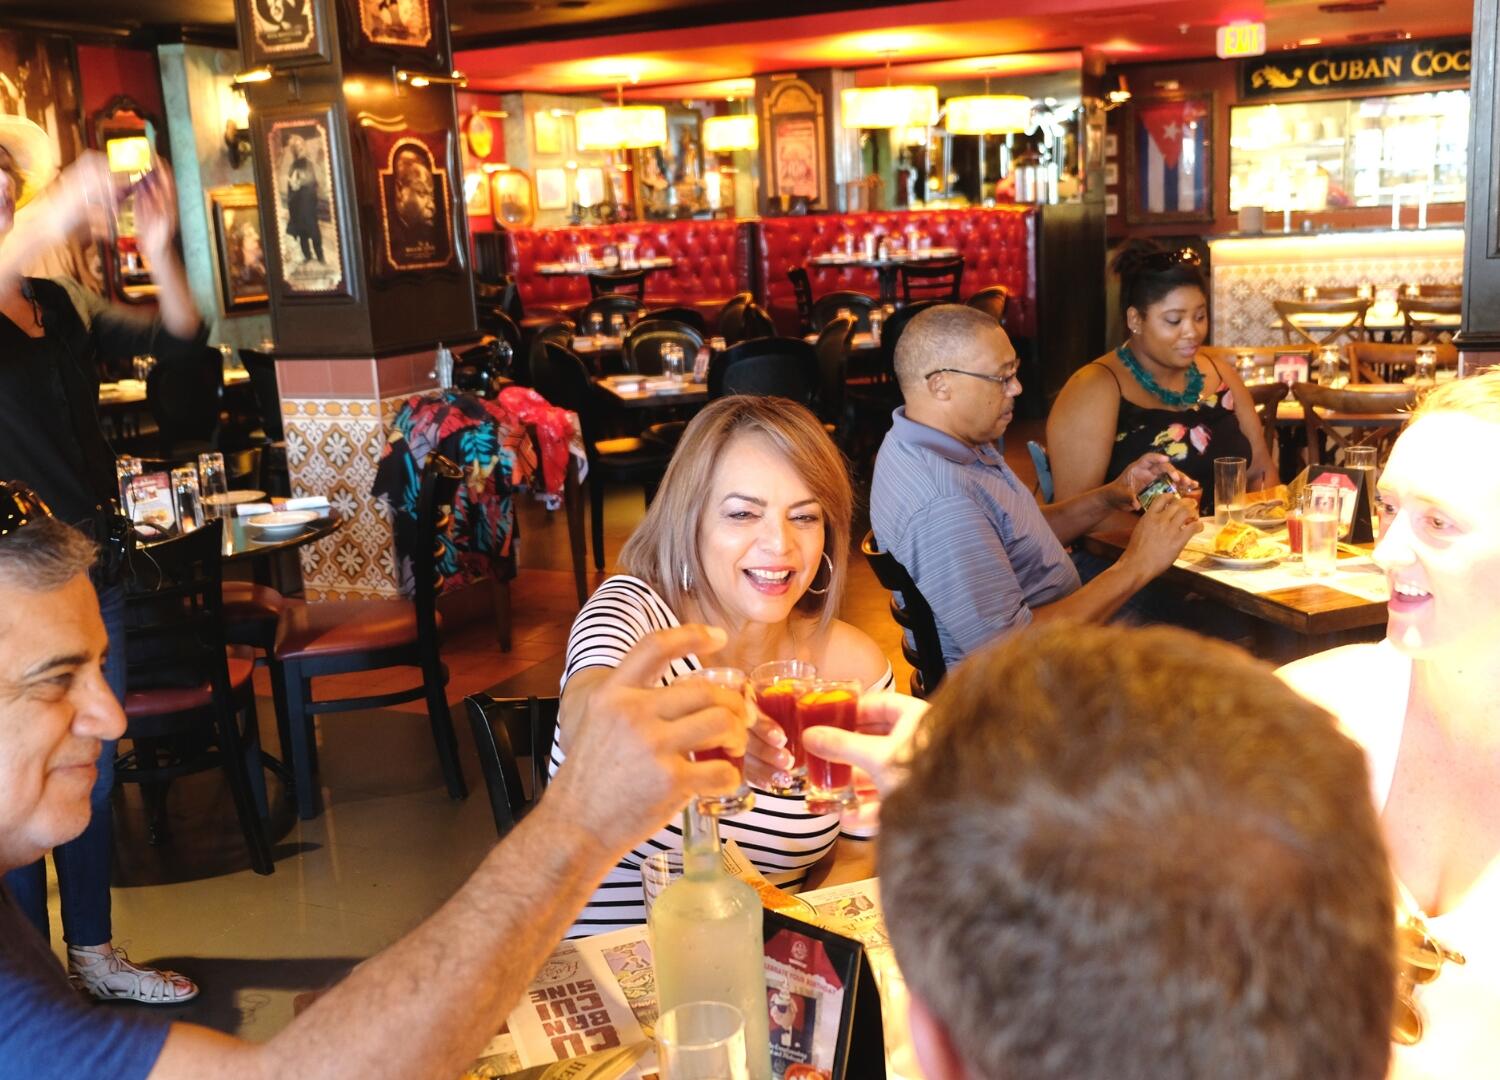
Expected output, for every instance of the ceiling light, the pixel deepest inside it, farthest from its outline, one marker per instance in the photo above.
(726, 134)
(889, 106)
(988, 114)
(621, 126)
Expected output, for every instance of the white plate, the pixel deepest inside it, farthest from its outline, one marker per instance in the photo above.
(1267, 524)
(234, 498)
(281, 522)
(1282, 551)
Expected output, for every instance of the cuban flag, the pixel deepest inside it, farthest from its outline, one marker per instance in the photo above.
(1172, 156)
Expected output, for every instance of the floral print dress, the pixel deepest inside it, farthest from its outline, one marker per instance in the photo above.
(1191, 437)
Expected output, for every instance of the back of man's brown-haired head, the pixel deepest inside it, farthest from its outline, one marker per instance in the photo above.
(1129, 854)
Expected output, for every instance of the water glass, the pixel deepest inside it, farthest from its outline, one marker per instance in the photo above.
(1229, 489)
(617, 325)
(673, 361)
(1320, 529)
(1328, 365)
(702, 1040)
(777, 685)
(125, 468)
(142, 366)
(877, 322)
(658, 870)
(1425, 368)
(596, 327)
(734, 680)
(213, 484)
(828, 703)
(186, 497)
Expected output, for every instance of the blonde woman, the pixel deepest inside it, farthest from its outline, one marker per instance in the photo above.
(749, 532)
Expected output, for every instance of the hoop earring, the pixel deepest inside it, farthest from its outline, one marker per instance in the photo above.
(824, 590)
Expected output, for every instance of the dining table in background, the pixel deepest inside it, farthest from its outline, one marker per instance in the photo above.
(885, 268)
(572, 266)
(651, 391)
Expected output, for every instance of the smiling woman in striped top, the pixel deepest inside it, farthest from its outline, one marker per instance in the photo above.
(749, 532)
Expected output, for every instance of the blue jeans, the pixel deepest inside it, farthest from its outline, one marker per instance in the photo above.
(83, 864)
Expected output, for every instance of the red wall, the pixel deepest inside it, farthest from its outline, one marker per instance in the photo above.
(106, 72)
(468, 102)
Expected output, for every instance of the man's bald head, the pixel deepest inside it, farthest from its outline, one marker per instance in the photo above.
(947, 335)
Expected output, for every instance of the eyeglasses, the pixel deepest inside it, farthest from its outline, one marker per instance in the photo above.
(1165, 260)
(1421, 957)
(1003, 380)
(19, 506)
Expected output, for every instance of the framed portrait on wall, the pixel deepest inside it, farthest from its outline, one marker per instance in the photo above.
(416, 198)
(405, 33)
(307, 257)
(512, 201)
(283, 32)
(551, 189)
(1169, 160)
(476, 193)
(241, 254)
(794, 146)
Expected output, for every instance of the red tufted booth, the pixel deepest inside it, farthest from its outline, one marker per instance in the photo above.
(712, 260)
(998, 246)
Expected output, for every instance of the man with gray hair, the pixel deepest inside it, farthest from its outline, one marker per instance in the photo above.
(424, 1007)
(981, 551)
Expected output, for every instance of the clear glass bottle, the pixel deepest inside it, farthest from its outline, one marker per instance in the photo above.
(707, 941)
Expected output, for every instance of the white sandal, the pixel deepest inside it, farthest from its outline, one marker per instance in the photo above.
(110, 976)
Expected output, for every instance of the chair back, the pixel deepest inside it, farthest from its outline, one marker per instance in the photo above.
(755, 324)
(607, 305)
(771, 366)
(440, 478)
(556, 333)
(1378, 362)
(262, 371)
(500, 295)
(1415, 308)
(1267, 396)
(937, 279)
(891, 333)
(1043, 467)
(1363, 417)
(859, 304)
(621, 282)
(1227, 357)
(802, 290)
(641, 350)
(496, 322)
(1347, 320)
(490, 720)
(184, 400)
(992, 299)
(920, 643)
(560, 376)
(731, 319)
(833, 348)
(692, 316)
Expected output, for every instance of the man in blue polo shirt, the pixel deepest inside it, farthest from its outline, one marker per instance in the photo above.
(985, 556)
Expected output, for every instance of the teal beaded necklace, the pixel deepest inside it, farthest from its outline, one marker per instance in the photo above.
(1190, 394)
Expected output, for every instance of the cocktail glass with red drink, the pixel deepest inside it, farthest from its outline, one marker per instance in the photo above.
(777, 686)
(829, 703)
(735, 680)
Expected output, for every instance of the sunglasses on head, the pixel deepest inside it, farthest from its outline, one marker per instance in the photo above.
(1421, 957)
(1158, 261)
(19, 506)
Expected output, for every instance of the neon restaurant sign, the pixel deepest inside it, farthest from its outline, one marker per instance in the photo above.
(1398, 64)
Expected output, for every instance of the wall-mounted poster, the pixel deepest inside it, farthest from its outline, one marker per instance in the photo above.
(551, 189)
(511, 198)
(396, 22)
(241, 255)
(415, 198)
(406, 33)
(476, 193)
(284, 32)
(1168, 164)
(39, 80)
(309, 257)
(792, 123)
(549, 131)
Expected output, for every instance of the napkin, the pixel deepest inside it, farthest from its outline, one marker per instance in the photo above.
(311, 502)
(246, 509)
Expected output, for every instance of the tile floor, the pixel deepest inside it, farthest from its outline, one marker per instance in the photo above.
(390, 846)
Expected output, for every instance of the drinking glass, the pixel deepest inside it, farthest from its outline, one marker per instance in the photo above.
(596, 327)
(213, 484)
(617, 325)
(1328, 365)
(658, 870)
(142, 366)
(185, 496)
(777, 686)
(877, 321)
(1425, 368)
(734, 680)
(702, 1040)
(843, 313)
(1363, 458)
(1296, 507)
(672, 361)
(1320, 529)
(1229, 489)
(828, 703)
(1309, 292)
(125, 468)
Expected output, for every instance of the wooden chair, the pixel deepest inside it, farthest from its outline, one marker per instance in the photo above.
(993, 299)
(1414, 330)
(620, 282)
(346, 636)
(605, 306)
(1268, 396)
(275, 475)
(1351, 417)
(691, 316)
(1227, 357)
(1377, 362)
(920, 643)
(1349, 316)
(756, 323)
(802, 290)
(938, 279)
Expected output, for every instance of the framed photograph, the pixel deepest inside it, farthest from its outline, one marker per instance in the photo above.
(793, 145)
(1111, 172)
(404, 33)
(287, 33)
(549, 132)
(39, 80)
(1291, 367)
(239, 247)
(476, 193)
(416, 198)
(1111, 204)
(307, 256)
(1111, 145)
(512, 201)
(588, 186)
(1168, 160)
(551, 189)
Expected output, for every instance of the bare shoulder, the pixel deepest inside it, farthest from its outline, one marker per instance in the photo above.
(1091, 392)
(1355, 683)
(850, 653)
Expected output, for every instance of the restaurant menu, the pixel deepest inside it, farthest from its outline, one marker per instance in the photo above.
(153, 509)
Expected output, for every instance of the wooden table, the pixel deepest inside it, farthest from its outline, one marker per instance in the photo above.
(131, 393)
(885, 269)
(643, 396)
(560, 269)
(243, 543)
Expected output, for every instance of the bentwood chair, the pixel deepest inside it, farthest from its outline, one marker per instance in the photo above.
(691, 316)
(756, 323)
(275, 475)
(500, 325)
(605, 306)
(619, 282)
(802, 290)
(939, 279)
(772, 366)
(858, 304)
(731, 319)
(1346, 320)
(992, 299)
(920, 643)
(832, 348)
(1268, 397)
(641, 349)
(190, 703)
(347, 636)
(1351, 417)
(1377, 362)
(1414, 310)
(559, 332)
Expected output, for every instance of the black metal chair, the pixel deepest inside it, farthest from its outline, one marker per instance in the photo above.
(187, 696)
(732, 316)
(939, 279)
(185, 399)
(560, 377)
(502, 728)
(559, 332)
(777, 366)
(618, 282)
(756, 323)
(859, 304)
(641, 349)
(340, 637)
(502, 326)
(692, 316)
(920, 643)
(275, 474)
(992, 299)
(606, 306)
(802, 290)
(832, 351)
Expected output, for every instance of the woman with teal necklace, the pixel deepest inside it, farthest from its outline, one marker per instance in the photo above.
(1156, 391)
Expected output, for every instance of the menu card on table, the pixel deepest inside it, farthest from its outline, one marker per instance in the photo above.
(153, 509)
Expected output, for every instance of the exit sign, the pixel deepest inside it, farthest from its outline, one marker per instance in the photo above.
(1241, 39)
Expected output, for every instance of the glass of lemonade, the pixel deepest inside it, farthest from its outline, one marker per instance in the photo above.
(828, 703)
(735, 680)
(1320, 529)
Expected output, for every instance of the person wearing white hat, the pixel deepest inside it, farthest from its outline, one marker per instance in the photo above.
(51, 440)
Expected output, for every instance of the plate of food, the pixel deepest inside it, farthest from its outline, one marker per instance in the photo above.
(1240, 546)
(1268, 516)
(281, 523)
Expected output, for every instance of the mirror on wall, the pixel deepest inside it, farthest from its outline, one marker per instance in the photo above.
(130, 139)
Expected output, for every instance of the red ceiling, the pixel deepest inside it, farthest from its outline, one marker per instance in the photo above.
(947, 39)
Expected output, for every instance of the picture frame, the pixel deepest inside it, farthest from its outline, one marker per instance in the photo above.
(552, 189)
(1111, 145)
(309, 257)
(240, 249)
(415, 198)
(547, 131)
(1169, 159)
(793, 146)
(669, 178)
(512, 198)
(476, 193)
(1111, 173)
(589, 189)
(287, 33)
(1291, 366)
(402, 33)
(1111, 204)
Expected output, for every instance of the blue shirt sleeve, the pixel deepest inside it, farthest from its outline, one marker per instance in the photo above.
(48, 1033)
